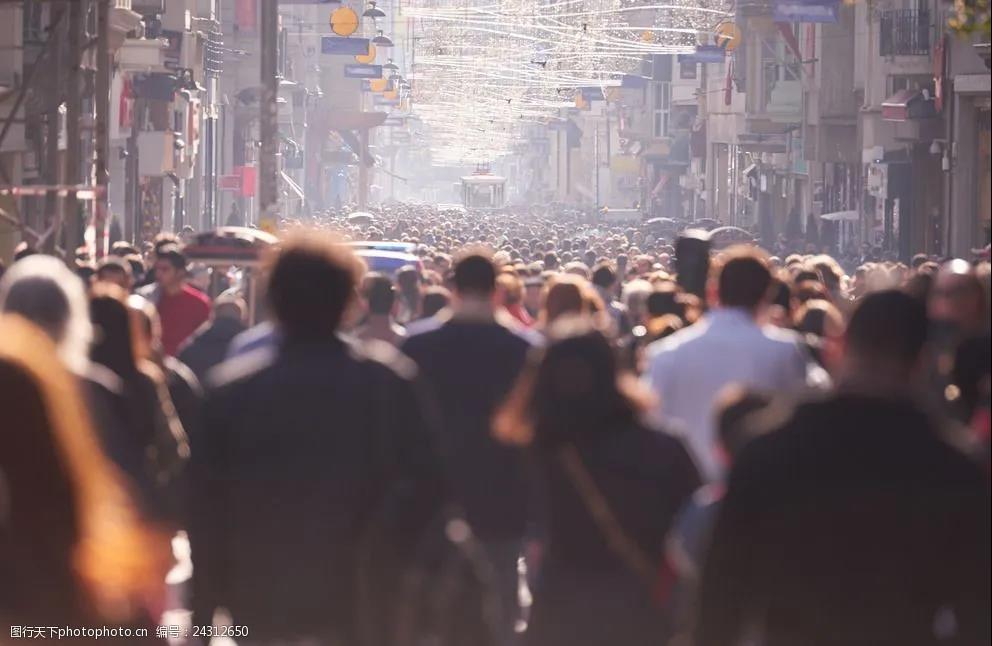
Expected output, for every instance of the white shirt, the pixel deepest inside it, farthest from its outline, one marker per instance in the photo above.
(689, 369)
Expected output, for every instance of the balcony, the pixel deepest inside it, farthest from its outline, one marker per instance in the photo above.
(904, 33)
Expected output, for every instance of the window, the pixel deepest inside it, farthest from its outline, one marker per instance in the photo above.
(687, 70)
(662, 107)
(912, 82)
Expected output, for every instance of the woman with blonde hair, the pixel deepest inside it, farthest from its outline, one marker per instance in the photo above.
(73, 551)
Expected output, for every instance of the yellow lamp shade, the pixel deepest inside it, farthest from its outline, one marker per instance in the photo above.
(727, 35)
(378, 85)
(344, 21)
(370, 58)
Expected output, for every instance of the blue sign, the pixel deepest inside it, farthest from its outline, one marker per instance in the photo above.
(806, 10)
(592, 93)
(344, 46)
(704, 54)
(633, 82)
(356, 71)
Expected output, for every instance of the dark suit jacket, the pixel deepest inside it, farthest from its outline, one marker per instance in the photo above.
(851, 524)
(302, 454)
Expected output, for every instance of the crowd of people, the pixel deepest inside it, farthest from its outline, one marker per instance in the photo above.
(545, 431)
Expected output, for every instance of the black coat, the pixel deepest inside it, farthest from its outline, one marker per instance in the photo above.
(586, 593)
(468, 368)
(303, 455)
(851, 524)
(208, 345)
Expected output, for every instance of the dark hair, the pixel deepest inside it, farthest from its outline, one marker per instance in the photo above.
(918, 260)
(122, 248)
(604, 276)
(744, 279)
(165, 240)
(475, 274)
(570, 389)
(662, 302)
(112, 264)
(172, 255)
(550, 260)
(310, 285)
(806, 274)
(379, 293)
(112, 344)
(435, 300)
(735, 407)
(888, 325)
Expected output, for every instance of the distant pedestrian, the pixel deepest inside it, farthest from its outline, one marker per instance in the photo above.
(181, 308)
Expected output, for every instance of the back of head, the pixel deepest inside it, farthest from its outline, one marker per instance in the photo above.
(571, 389)
(113, 344)
(564, 296)
(379, 293)
(435, 300)
(44, 291)
(888, 328)
(743, 279)
(311, 283)
(230, 307)
(475, 275)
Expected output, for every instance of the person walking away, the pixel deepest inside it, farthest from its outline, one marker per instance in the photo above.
(469, 364)
(854, 521)
(145, 436)
(208, 346)
(184, 388)
(688, 369)
(380, 304)
(307, 448)
(181, 308)
(74, 551)
(612, 490)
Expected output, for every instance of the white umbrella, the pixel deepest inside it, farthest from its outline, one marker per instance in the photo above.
(841, 216)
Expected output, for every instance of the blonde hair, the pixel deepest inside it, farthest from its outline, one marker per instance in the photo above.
(119, 562)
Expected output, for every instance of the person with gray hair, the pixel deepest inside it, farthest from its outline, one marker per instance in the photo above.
(46, 292)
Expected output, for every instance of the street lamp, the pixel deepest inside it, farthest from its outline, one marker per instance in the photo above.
(373, 12)
(382, 40)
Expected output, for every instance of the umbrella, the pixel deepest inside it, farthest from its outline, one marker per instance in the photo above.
(841, 216)
(360, 218)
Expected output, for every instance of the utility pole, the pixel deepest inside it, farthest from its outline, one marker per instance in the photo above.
(101, 100)
(268, 162)
(52, 172)
(73, 116)
(213, 68)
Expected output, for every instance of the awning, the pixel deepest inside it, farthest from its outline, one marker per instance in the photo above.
(841, 216)
(907, 104)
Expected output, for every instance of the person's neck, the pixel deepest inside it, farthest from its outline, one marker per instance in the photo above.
(473, 308)
(172, 290)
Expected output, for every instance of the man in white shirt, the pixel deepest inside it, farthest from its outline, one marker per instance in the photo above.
(689, 369)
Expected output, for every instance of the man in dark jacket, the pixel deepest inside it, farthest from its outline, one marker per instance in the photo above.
(308, 452)
(853, 522)
(208, 346)
(469, 363)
